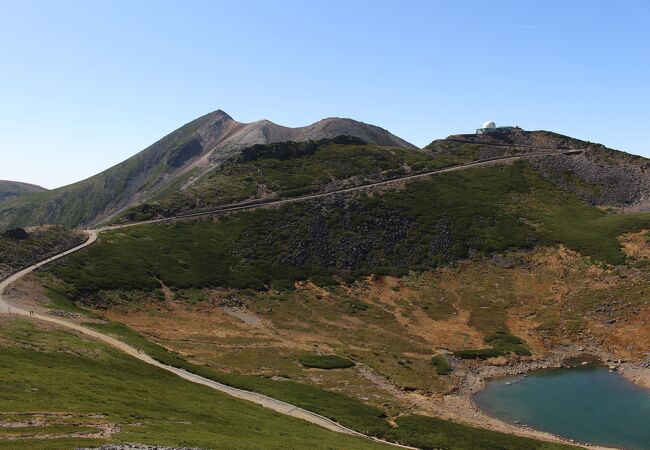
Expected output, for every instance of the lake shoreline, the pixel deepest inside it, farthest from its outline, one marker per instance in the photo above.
(474, 376)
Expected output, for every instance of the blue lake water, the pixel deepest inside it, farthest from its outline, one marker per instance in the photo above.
(587, 405)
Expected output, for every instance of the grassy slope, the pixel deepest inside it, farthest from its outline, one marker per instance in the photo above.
(424, 432)
(82, 202)
(54, 371)
(14, 189)
(486, 210)
(490, 209)
(311, 167)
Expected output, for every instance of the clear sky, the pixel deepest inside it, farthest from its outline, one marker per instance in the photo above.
(86, 84)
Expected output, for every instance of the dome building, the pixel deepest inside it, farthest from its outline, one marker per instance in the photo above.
(487, 128)
(490, 127)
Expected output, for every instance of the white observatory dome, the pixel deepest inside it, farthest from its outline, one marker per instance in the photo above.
(489, 125)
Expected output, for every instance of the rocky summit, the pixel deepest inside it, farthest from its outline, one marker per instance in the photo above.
(348, 280)
(173, 162)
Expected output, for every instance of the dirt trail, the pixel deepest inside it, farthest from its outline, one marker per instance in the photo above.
(253, 204)
(267, 402)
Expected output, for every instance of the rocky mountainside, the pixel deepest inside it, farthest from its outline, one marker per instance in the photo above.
(179, 157)
(14, 189)
(444, 279)
(289, 169)
(599, 175)
(23, 247)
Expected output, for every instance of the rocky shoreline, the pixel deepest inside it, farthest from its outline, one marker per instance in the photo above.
(459, 404)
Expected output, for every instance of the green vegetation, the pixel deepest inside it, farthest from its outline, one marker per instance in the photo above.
(501, 342)
(338, 407)
(420, 227)
(562, 218)
(441, 364)
(326, 362)
(481, 353)
(55, 371)
(291, 169)
(433, 433)
(14, 189)
(61, 295)
(33, 246)
(425, 432)
(85, 201)
(26, 432)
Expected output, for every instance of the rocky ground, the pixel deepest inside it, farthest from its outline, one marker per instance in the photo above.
(601, 177)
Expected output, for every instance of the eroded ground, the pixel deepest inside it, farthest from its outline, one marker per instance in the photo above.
(552, 298)
(559, 303)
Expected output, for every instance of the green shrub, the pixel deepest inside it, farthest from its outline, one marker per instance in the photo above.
(481, 353)
(441, 364)
(325, 362)
(424, 225)
(502, 343)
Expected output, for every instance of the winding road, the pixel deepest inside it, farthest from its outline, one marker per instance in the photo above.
(260, 399)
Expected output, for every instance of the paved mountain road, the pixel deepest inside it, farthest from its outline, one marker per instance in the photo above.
(263, 400)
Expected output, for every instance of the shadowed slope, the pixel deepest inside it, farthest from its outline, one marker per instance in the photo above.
(182, 155)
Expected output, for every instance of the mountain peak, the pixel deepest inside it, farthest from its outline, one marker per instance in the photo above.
(190, 151)
(220, 113)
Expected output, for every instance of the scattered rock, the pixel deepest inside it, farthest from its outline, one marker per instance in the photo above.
(131, 446)
(65, 314)
(497, 361)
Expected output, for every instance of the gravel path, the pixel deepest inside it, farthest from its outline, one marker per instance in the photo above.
(263, 400)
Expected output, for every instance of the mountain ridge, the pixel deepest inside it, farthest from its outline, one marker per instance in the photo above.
(13, 189)
(188, 152)
(600, 176)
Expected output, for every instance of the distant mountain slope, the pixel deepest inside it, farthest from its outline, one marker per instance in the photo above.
(289, 169)
(187, 152)
(599, 175)
(14, 189)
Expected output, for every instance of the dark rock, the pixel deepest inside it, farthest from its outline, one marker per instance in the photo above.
(16, 233)
(288, 150)
(600, 177)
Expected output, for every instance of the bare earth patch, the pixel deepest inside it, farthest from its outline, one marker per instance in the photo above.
(54, 425)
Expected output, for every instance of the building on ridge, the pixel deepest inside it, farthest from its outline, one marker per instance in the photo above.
(490, 127)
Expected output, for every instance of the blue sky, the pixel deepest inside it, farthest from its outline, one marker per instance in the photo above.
(86, 84)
